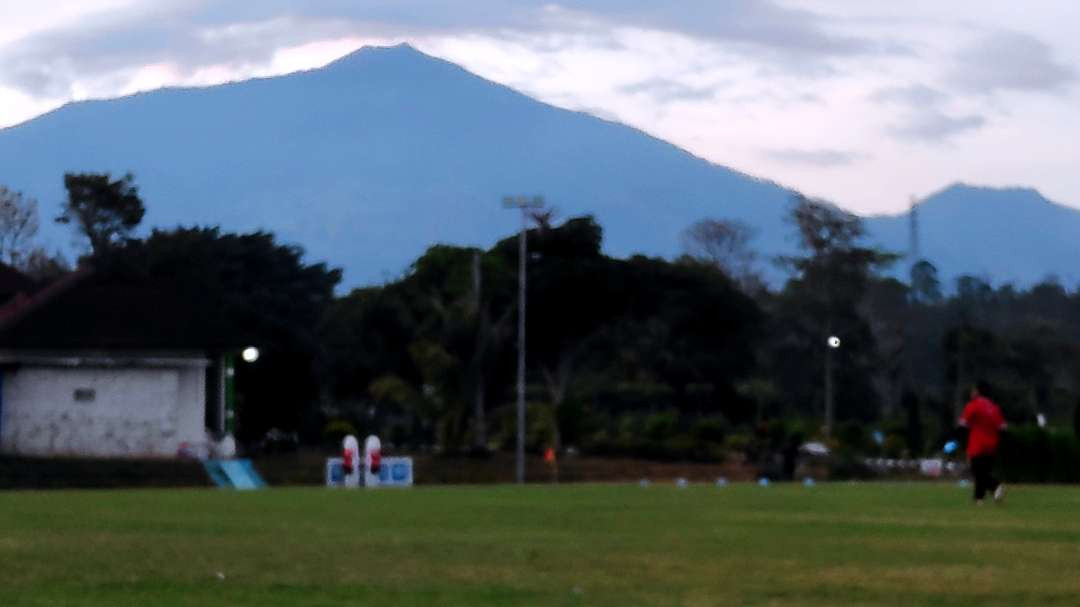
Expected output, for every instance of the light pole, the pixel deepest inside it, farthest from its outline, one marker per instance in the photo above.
(524, 204)
(249, 355)
(832, 343)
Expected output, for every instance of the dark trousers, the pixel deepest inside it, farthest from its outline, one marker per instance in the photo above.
(982, 467)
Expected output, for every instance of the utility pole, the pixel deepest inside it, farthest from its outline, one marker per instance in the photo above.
(913, 233)
(524, 204)
(479, 358)
(833, 343)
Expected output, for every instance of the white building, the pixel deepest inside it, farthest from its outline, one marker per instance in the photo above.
(91, 370)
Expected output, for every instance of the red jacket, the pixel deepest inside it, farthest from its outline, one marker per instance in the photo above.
(984, 421)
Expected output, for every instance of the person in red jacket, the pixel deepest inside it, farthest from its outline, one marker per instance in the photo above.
(984, 422)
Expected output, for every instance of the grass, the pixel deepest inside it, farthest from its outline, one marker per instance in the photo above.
(851, 544)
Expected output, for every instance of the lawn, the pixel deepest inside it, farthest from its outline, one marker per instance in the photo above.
(833, 544)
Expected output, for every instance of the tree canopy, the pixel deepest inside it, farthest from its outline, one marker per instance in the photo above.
(103, 210)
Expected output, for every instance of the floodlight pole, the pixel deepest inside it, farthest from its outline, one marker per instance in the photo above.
(524, 204)
(828, 393)
(831, 344)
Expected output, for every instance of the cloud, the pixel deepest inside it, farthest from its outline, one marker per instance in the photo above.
(914, 95)
(761, 24)
(1009, 61)
(194, 35)
(48, 64)
(665, 90)
(926, 117)
(816, 157)
(933, 125)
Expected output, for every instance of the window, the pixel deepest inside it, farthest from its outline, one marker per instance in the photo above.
(85, 395)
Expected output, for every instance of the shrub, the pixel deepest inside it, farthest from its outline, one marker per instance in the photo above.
(679, 448)
(336, 430)
(710, 430)
(1030, 454)
(661, 426)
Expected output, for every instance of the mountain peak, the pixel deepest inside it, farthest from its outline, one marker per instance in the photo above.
(961, 193)
(960, 187)
(397, 53)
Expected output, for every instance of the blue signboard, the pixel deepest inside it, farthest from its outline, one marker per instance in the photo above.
(396, 472)
(393, 472)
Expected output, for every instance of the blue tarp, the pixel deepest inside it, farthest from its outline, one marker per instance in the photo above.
(234, 474)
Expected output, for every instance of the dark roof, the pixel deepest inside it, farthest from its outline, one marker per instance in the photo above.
(82, 311)
(14, 283)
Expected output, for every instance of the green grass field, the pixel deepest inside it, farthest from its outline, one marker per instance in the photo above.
(834, 544)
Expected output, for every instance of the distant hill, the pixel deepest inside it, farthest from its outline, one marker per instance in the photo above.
(371, 159)
(1004, 235)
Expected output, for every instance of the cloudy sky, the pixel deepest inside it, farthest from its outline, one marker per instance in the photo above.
(866, 103)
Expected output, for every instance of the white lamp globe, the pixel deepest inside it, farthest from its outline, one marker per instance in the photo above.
(250, 354)
(834, 342)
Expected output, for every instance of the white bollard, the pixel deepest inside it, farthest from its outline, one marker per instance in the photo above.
(372, 461)
(350, 461)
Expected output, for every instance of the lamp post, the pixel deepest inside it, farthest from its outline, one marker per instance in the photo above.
(833, 343)
(249, 355)
(524, 204)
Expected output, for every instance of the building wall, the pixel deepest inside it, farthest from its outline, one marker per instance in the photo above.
(133, 412)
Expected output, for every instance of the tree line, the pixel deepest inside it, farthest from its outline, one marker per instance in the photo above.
(692, 357)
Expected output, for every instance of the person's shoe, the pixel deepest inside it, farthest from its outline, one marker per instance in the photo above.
(978, 502)
(999, 493)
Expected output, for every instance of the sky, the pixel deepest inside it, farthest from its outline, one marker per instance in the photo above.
(864, 103)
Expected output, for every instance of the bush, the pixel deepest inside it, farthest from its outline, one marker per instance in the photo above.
(679, 448)
(661, 426)
(710, 430)
(895, 446)
(1030, 454)
(853, 437)
(849, 467)
(739, 442)
(577, 420)
(336, 430)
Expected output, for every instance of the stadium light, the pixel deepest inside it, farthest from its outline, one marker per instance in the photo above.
(524, 204)
(833, 343)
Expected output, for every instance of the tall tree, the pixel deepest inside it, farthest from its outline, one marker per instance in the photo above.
(259, 292)
(103, 209)
(925, 286)
(18, 226)
(835, 267)
(724, 243)
(824, 296)
(451, 294)
(569, 299)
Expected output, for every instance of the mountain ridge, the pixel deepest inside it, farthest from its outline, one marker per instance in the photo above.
(370, 159)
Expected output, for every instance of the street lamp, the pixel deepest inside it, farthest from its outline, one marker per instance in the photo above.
(524, 204)
(833, 343)
(249, 355)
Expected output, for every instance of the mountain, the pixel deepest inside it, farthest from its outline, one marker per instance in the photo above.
(1003, 235)
(368, 161)
(371, 159)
